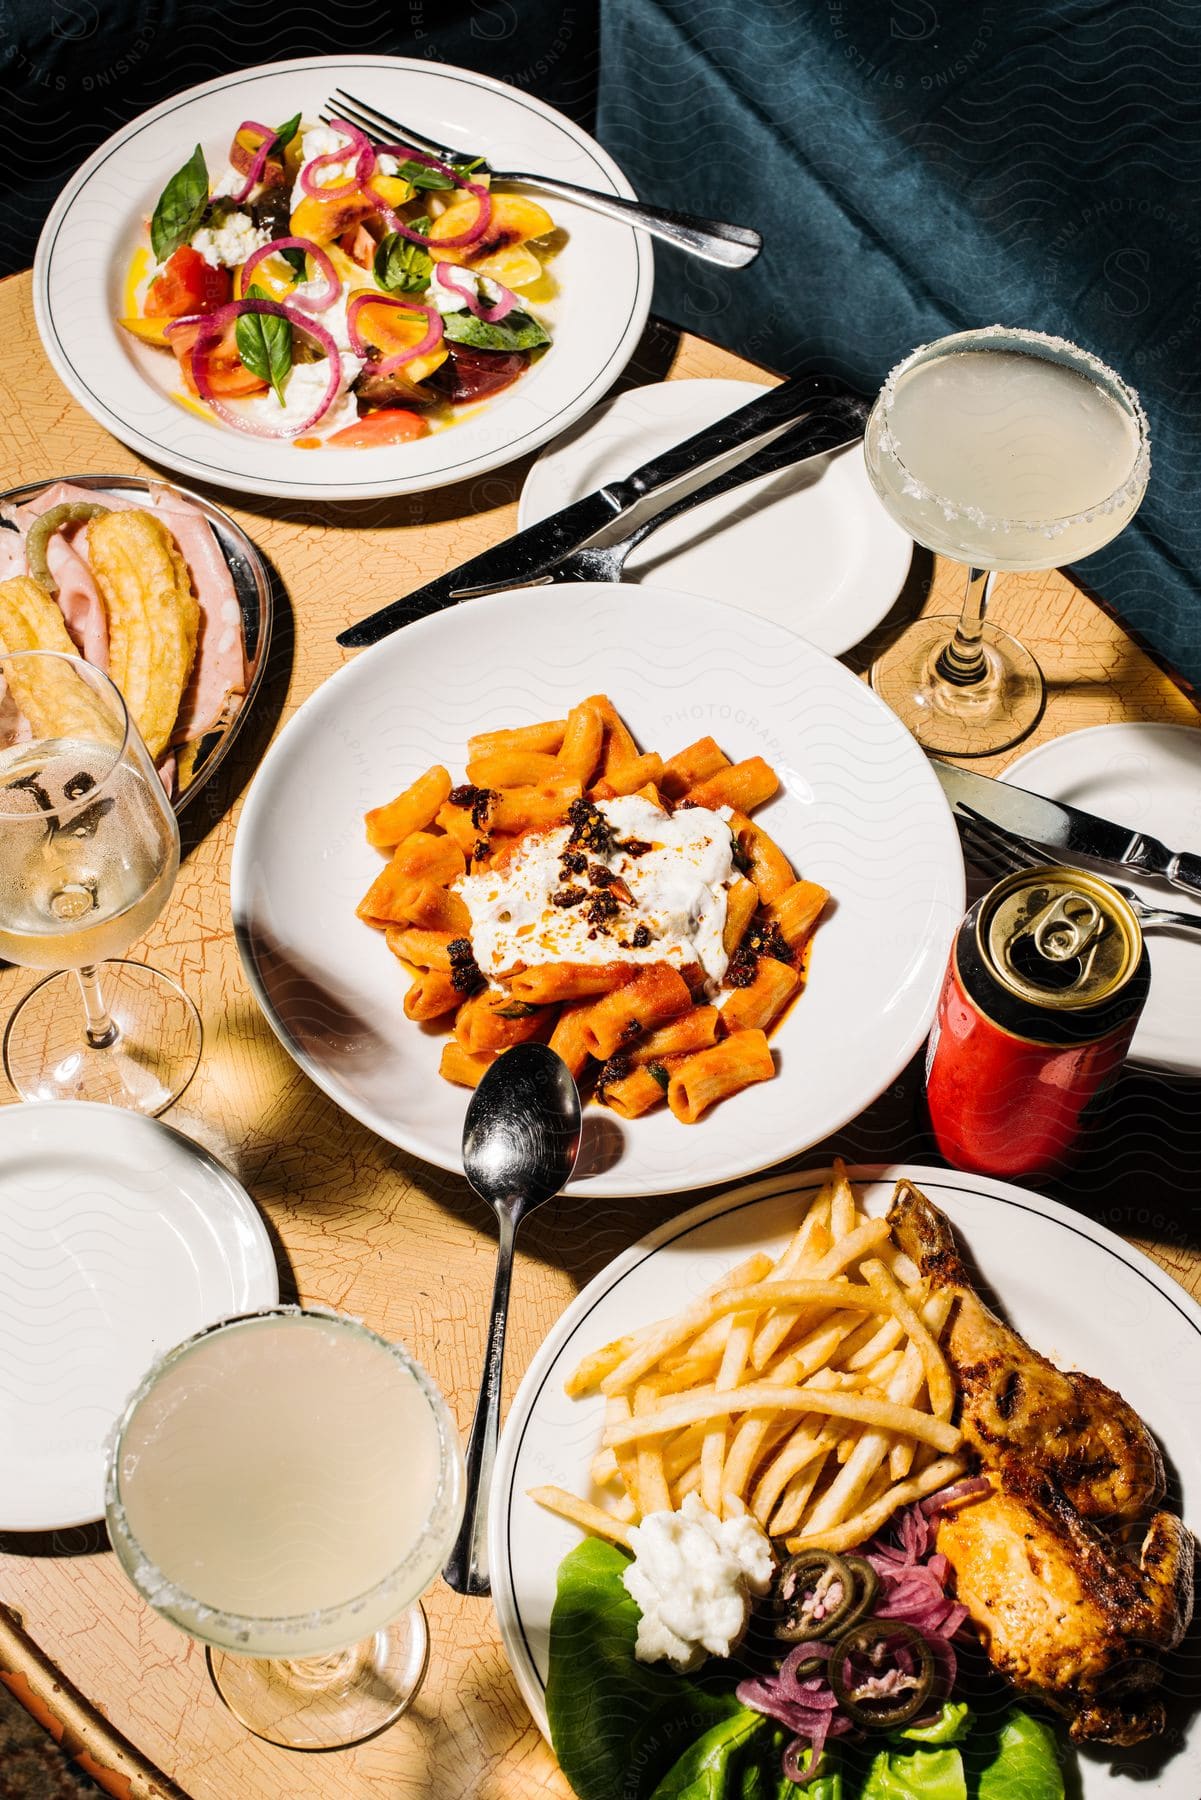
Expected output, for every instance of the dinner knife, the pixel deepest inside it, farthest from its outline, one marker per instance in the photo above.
(536, 550)
(1068, 828)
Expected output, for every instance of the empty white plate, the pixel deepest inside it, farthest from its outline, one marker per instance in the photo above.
(1148, 777)
(811, 548)
(118, 1238)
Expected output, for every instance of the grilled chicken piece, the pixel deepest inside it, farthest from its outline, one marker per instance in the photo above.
(1065, 1610)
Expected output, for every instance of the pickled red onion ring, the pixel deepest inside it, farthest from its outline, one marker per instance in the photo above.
(258, 160)
(309, 302)
(451, 276)
(389, 364)
(363, 154)
(475, 230)
(213, 324)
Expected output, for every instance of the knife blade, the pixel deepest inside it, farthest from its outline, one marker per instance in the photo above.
(536, 550)
(1069, 828)
(800, 444)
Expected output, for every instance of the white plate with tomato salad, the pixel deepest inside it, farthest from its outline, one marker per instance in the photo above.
(409, 328)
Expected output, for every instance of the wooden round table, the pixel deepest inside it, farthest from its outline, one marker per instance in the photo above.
(361, 1226)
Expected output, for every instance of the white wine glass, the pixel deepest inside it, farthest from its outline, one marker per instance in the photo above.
(284, 1486)
(1006, 450)
(89, 851)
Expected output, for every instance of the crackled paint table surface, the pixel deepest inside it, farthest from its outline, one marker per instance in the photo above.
(361, 1226)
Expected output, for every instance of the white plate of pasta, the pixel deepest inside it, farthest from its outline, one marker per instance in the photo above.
(156, 236)
(789, 986)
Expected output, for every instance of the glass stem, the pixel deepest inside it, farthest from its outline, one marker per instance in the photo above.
(102, 1032)
(962, 660)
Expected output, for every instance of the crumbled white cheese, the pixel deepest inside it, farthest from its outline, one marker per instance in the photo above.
(692, 1579)
(679, 889)
(317, 141)
(228, 245)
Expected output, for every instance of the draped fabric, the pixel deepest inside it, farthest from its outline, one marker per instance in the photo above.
(919, 166)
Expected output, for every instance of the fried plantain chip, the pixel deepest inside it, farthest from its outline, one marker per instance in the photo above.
(153, 617)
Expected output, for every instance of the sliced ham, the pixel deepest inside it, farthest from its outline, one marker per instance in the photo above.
(219, 671)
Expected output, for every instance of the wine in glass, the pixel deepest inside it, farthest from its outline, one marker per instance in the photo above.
(1004, 450)
(89, 850)
(284, 1486)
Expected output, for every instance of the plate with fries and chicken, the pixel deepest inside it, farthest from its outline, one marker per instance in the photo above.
(937, 1436)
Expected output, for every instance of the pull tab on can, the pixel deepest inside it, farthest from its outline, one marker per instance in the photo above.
(1065, 930)
(1059, 937)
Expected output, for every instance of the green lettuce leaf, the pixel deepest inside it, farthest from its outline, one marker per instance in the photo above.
(1025, 1762)
(916, 1775)
(617, 1725)
(951, 1726)
(708, 1768)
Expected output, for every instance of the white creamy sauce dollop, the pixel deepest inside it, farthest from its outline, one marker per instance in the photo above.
(679, 889)
(692, 1578)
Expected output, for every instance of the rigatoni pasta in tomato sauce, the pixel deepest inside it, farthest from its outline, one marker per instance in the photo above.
(581, 891)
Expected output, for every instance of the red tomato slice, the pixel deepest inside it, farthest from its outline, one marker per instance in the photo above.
(228, 374)
(395, 426)
(187, 285)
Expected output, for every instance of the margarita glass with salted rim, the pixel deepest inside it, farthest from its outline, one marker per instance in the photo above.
(283, 1486)
(1005, 450)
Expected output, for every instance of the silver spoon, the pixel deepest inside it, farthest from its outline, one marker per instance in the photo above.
(520, 1142)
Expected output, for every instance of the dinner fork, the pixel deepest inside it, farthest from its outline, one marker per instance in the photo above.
(1000, 852)
(731, 246)
(606, 562)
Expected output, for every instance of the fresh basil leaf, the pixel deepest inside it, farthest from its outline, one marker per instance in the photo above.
(518, 332)
(265, 343)
(285, 134)
(295, 258)
(433, 180)
(180, 207)
(403, 267)
(516, 1009)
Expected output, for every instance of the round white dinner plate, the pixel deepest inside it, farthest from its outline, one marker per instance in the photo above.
(858, 810)
(604, 274)
(1148, 777)
(1076, 1291)
(118, 1238)
(811, 548)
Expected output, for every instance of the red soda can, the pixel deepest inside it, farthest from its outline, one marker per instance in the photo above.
(1047, 978)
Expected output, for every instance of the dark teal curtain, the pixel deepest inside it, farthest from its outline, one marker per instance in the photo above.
(917, 166)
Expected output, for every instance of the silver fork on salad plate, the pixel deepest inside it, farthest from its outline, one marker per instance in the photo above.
(997, 851)
(730, 246)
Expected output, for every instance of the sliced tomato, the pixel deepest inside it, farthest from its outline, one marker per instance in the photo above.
(187, 285)
(359, 245)
(228, 375)
(474, 374)
(374, 429)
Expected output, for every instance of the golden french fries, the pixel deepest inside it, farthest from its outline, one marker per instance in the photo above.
(811, 1393)
(153, 617)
